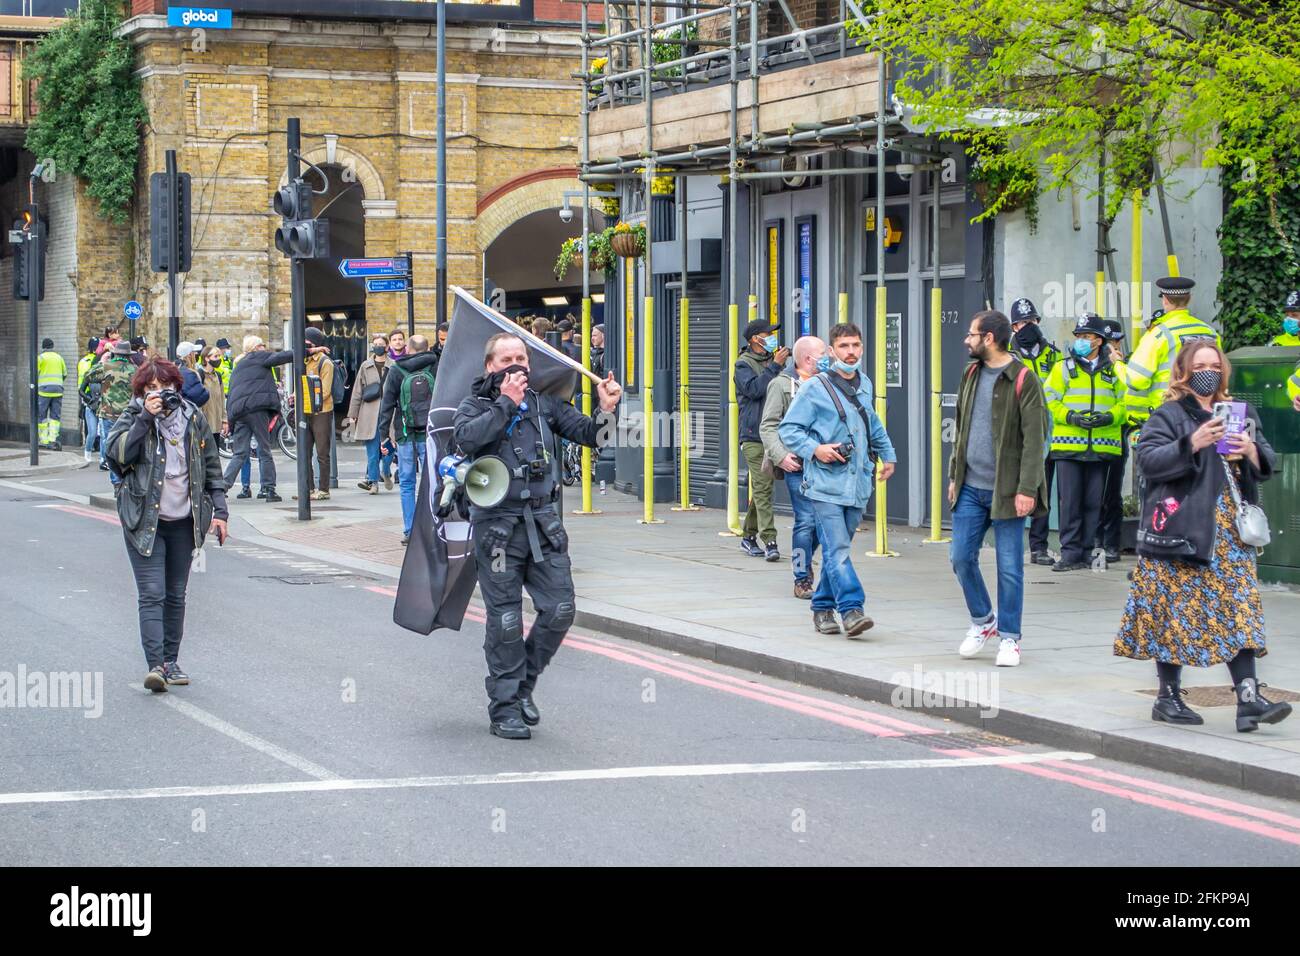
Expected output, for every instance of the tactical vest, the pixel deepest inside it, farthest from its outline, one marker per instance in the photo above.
(1074, 389)
(1043, 362)
(526, 451)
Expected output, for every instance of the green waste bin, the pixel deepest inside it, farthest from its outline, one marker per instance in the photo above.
(1259, 377)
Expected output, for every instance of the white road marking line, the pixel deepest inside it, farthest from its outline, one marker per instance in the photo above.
(244, 737)
(540, 776)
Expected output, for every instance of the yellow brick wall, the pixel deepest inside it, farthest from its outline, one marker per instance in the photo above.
(225, 110)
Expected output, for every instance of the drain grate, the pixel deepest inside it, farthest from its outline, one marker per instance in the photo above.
(311, 578)
(1224, 696)
(968, 740)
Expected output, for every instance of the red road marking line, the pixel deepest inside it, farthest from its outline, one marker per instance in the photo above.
(104, 516)
(1220, 802)
(1250, 826)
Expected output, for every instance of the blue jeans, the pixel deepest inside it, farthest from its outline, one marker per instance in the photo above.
(246, 470)
(971, 519)
(839, 588)
(377, 465)
(106, 426)
(410, 458)
(803, 542)
(92, 427)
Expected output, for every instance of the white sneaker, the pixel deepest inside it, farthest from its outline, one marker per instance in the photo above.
(1008, 653)
(977, 637)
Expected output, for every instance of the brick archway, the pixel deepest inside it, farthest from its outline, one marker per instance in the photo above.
(521, 196)
(372, 186)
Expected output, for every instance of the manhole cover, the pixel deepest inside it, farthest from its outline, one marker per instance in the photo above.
(1224, 696)
(969, 740)
(300, 579)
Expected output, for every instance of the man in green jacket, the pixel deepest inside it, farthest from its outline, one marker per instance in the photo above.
(997, 479)
(759, 363)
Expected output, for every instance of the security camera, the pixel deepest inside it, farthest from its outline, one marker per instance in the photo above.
(566, 214)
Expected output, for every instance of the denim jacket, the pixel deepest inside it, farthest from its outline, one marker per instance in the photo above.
(813, 420)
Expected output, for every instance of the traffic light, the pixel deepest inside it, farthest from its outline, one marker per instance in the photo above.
(169, 222)
(300, 236)
(22, 250)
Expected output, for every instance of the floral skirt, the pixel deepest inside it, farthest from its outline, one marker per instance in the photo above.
(1181, 613)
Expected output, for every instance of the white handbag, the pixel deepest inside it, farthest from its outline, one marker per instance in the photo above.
(1252, 523)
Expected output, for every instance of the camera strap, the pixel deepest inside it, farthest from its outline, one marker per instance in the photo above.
(839, 405)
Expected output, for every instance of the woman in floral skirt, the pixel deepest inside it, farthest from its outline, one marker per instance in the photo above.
(1195, 595)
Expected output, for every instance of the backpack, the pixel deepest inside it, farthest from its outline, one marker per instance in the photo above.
(1020, 378)
(339, 388)
(416, 399)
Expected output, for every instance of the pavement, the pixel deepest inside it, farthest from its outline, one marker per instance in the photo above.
(317, 732)
(685, 587)
(15, 459)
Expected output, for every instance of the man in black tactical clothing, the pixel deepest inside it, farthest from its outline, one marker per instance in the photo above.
(521, 542)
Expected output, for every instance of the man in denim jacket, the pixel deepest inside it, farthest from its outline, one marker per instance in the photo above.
(831, 426)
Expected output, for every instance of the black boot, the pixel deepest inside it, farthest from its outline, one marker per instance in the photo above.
(1253, 707)
(1169, 706)
(245, 492)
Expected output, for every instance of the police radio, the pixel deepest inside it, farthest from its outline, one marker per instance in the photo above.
(485, 480)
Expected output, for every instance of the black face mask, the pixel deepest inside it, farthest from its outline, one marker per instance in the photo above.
(490, 384)
(1029, 335)
(1205, 382)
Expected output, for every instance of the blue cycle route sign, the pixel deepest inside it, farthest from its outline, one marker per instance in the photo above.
(133, 310)
(396, 284)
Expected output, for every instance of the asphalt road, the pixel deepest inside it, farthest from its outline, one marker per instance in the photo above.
(318, 732)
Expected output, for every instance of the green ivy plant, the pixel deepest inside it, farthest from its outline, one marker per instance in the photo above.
(1005, 182)
(1260, 264)
(90, 108)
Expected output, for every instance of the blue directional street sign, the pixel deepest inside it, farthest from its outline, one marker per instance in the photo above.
(209, 17)
(398, 284)
(133, 310)
(359, 268)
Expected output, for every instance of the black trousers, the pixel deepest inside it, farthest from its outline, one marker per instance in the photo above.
(244, 429)
(160, 582)
(320, 430)
(507, 565)
(1038, 526)
(1112, 501)
(1080, 485)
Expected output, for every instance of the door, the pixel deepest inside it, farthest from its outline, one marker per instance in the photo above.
(705, 389)
(901, 247)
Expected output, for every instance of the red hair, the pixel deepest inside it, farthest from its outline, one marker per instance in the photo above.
(155, 370)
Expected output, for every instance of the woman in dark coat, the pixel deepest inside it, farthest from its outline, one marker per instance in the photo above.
(170, 496)
(1195, 596)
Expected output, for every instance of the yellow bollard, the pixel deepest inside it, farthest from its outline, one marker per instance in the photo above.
(586, 508)
(1135, 276)
(882, 531)
(937, 483)
(684, 407)
(733, 427)
(647, 432)
(844, 308)
(1171, 263)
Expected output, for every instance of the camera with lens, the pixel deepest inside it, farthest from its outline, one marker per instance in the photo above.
(170, 398)
(845, 449)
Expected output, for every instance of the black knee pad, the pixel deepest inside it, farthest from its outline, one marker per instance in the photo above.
(564, 612)
(512, 627)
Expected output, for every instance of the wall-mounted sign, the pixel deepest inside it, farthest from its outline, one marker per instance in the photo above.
(210, 18)
(775, 271)
(893, 350)
(806, 230)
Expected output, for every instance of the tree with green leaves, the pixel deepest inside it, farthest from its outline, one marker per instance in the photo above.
(90, 111)
(1135, 90)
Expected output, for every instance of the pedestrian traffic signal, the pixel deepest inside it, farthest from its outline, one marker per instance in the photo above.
(169, 222)
(300, 236)
(34, 234)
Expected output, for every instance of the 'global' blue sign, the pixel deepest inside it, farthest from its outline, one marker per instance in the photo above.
(209, 17)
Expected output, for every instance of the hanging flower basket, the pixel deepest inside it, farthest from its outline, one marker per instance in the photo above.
(623, 244)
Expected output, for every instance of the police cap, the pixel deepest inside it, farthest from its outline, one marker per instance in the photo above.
(1175, 285)
(1292, 301)
(1091, 323)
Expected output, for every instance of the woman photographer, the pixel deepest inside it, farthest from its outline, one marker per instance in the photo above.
(1195, 596)
(170, 496)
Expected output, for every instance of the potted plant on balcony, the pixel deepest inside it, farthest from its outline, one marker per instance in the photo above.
(1002, 183)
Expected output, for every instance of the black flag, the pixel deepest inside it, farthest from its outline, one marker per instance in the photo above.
(439, 573)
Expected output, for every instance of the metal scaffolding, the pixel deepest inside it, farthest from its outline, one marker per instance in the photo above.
(734, 53)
